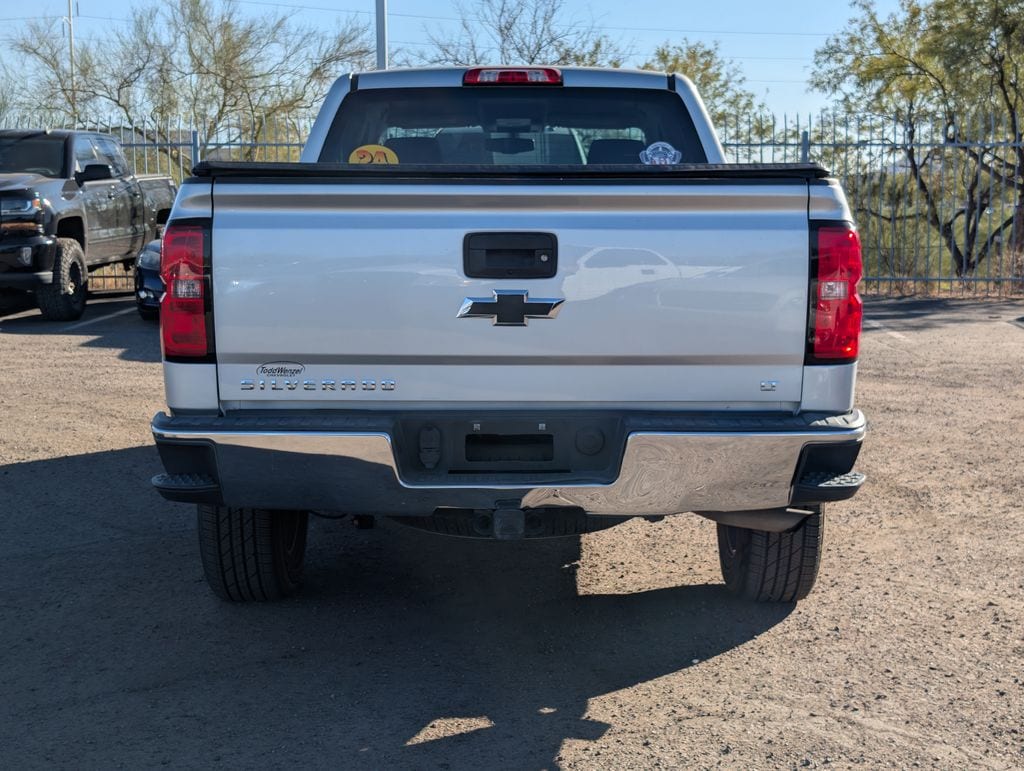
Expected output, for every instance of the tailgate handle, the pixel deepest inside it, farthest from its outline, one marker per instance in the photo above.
(510, 255)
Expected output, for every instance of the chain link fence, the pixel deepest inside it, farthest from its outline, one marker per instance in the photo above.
(940, 207)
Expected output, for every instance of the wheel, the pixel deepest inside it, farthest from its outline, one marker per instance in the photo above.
(772, 567)
(149, 314)
(252, 554)
(64, 299)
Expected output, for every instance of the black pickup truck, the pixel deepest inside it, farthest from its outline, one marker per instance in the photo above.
(69, 204)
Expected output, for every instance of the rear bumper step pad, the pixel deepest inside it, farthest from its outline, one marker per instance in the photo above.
(187, 488)
(824, 486)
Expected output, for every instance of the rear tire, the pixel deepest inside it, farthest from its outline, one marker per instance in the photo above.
(64, 299)
(772, 567)
(252, 554)
(148, 314)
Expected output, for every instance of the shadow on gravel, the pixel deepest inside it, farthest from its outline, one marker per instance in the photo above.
(909, 313)
(13, 301)
(109, 321)
(405, 650)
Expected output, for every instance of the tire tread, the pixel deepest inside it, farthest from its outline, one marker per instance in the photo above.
(773, 567)
(53, 303)
(237, 548)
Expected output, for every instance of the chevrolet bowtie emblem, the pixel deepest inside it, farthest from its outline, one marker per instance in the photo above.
(510, 307)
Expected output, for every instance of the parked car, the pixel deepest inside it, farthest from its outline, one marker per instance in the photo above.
(480, 346)
(149, 286)
(69, 204)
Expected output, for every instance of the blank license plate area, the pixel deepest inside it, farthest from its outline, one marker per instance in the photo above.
(505, 448)
(483, 448)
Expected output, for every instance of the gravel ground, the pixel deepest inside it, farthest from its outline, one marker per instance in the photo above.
(617, 650)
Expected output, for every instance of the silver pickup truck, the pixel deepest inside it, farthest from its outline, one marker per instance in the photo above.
(509, 303)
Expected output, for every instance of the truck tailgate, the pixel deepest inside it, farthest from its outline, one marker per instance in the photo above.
(329, 294)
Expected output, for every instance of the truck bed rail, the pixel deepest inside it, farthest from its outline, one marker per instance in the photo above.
(345, 172)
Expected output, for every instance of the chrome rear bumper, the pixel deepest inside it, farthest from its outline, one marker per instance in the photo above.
(306, 463)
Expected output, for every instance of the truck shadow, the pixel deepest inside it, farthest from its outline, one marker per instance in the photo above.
(924, 313)
(13, 301)
(404, 650)
(110, 321)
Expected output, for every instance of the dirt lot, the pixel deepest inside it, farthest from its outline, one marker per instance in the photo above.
(619, 650)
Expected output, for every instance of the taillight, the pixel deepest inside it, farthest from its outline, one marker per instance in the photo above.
(184, 312)
(512, 76)
(833, 334)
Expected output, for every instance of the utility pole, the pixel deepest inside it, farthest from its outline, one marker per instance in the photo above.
(70, 21)
(382, 34)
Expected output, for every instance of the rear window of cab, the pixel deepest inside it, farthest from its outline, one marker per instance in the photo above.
(512, 126)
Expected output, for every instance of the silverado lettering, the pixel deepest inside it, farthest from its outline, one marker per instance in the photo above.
(313, 385)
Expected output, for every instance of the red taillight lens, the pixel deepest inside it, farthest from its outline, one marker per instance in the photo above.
(836, 306)
(183, 310)
(512, 76)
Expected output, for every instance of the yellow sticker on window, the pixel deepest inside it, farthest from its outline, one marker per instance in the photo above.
(373, 154)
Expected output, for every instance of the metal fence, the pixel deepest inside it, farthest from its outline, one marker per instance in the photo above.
(174, 147)
(940, 208)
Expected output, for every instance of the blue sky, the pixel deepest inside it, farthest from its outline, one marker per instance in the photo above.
(774, 43)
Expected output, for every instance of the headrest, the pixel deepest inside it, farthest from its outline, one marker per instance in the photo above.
(415, 149)
(615, 151)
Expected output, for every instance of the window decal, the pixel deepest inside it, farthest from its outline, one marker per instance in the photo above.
(660, 154)
(373, 154)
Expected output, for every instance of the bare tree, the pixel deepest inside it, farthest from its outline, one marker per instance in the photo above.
(949, 71)
(207, 61)
(522, 32)
(6, 100)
